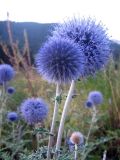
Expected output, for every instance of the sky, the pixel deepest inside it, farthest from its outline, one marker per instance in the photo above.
(49, 11)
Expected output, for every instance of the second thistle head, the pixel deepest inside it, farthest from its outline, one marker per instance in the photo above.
(34, 110)
(6, 73)
(92, 38)
(89, 104)
(94, 98)
(60, 61)
(77, 138)
(10, 90)
(12, 116)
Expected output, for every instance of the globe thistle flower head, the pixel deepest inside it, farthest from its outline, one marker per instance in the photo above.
(12, 116)
(60, 61)
(6, 73)
(10, 90)
(34, 110)
(96, 97)
(76, 138)
(92, 38)
(88, 104)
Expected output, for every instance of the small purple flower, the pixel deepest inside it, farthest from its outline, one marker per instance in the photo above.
(92, 39)
(10, 90)
(96, 97)
(34, 110)
(60, 61)
(6, 73)
(12, 116)
(89, 104)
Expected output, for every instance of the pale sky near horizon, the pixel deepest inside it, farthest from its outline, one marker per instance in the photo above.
(48, 11)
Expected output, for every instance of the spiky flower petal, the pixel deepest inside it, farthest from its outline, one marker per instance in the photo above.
(92, 39)
(6, 73)
(60, 61)
(34, 110)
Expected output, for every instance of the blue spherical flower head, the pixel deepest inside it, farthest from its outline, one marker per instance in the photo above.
(34, 110)
(6, 73)
(10, 90)
(60, 61)
(89, 104)
(12, 116)
(92, 39)
(96, 97)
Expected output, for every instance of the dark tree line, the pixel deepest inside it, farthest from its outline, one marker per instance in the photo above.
(37, 34)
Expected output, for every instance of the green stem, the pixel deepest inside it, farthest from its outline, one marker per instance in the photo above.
(89, 132)
(13, 131)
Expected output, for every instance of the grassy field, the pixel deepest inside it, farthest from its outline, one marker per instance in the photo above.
(16, 138)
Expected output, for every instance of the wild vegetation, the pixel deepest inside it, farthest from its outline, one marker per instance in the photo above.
(97, 129)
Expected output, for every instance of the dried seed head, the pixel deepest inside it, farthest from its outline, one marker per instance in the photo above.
(77, 138)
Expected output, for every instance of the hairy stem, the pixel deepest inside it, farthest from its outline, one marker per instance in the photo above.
(104, 155)
(76, 149)
(64, 114)
(53, 121)
(3, 100)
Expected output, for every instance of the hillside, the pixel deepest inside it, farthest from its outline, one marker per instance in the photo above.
(37, 35)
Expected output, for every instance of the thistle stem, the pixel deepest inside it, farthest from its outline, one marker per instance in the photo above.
(37, 136)
(92, 123)
(104, 155)
(89, 132)
(2, 104)
(64, 114)
(13, 131)
(53, 121)
(1, 111)
(76, 149)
